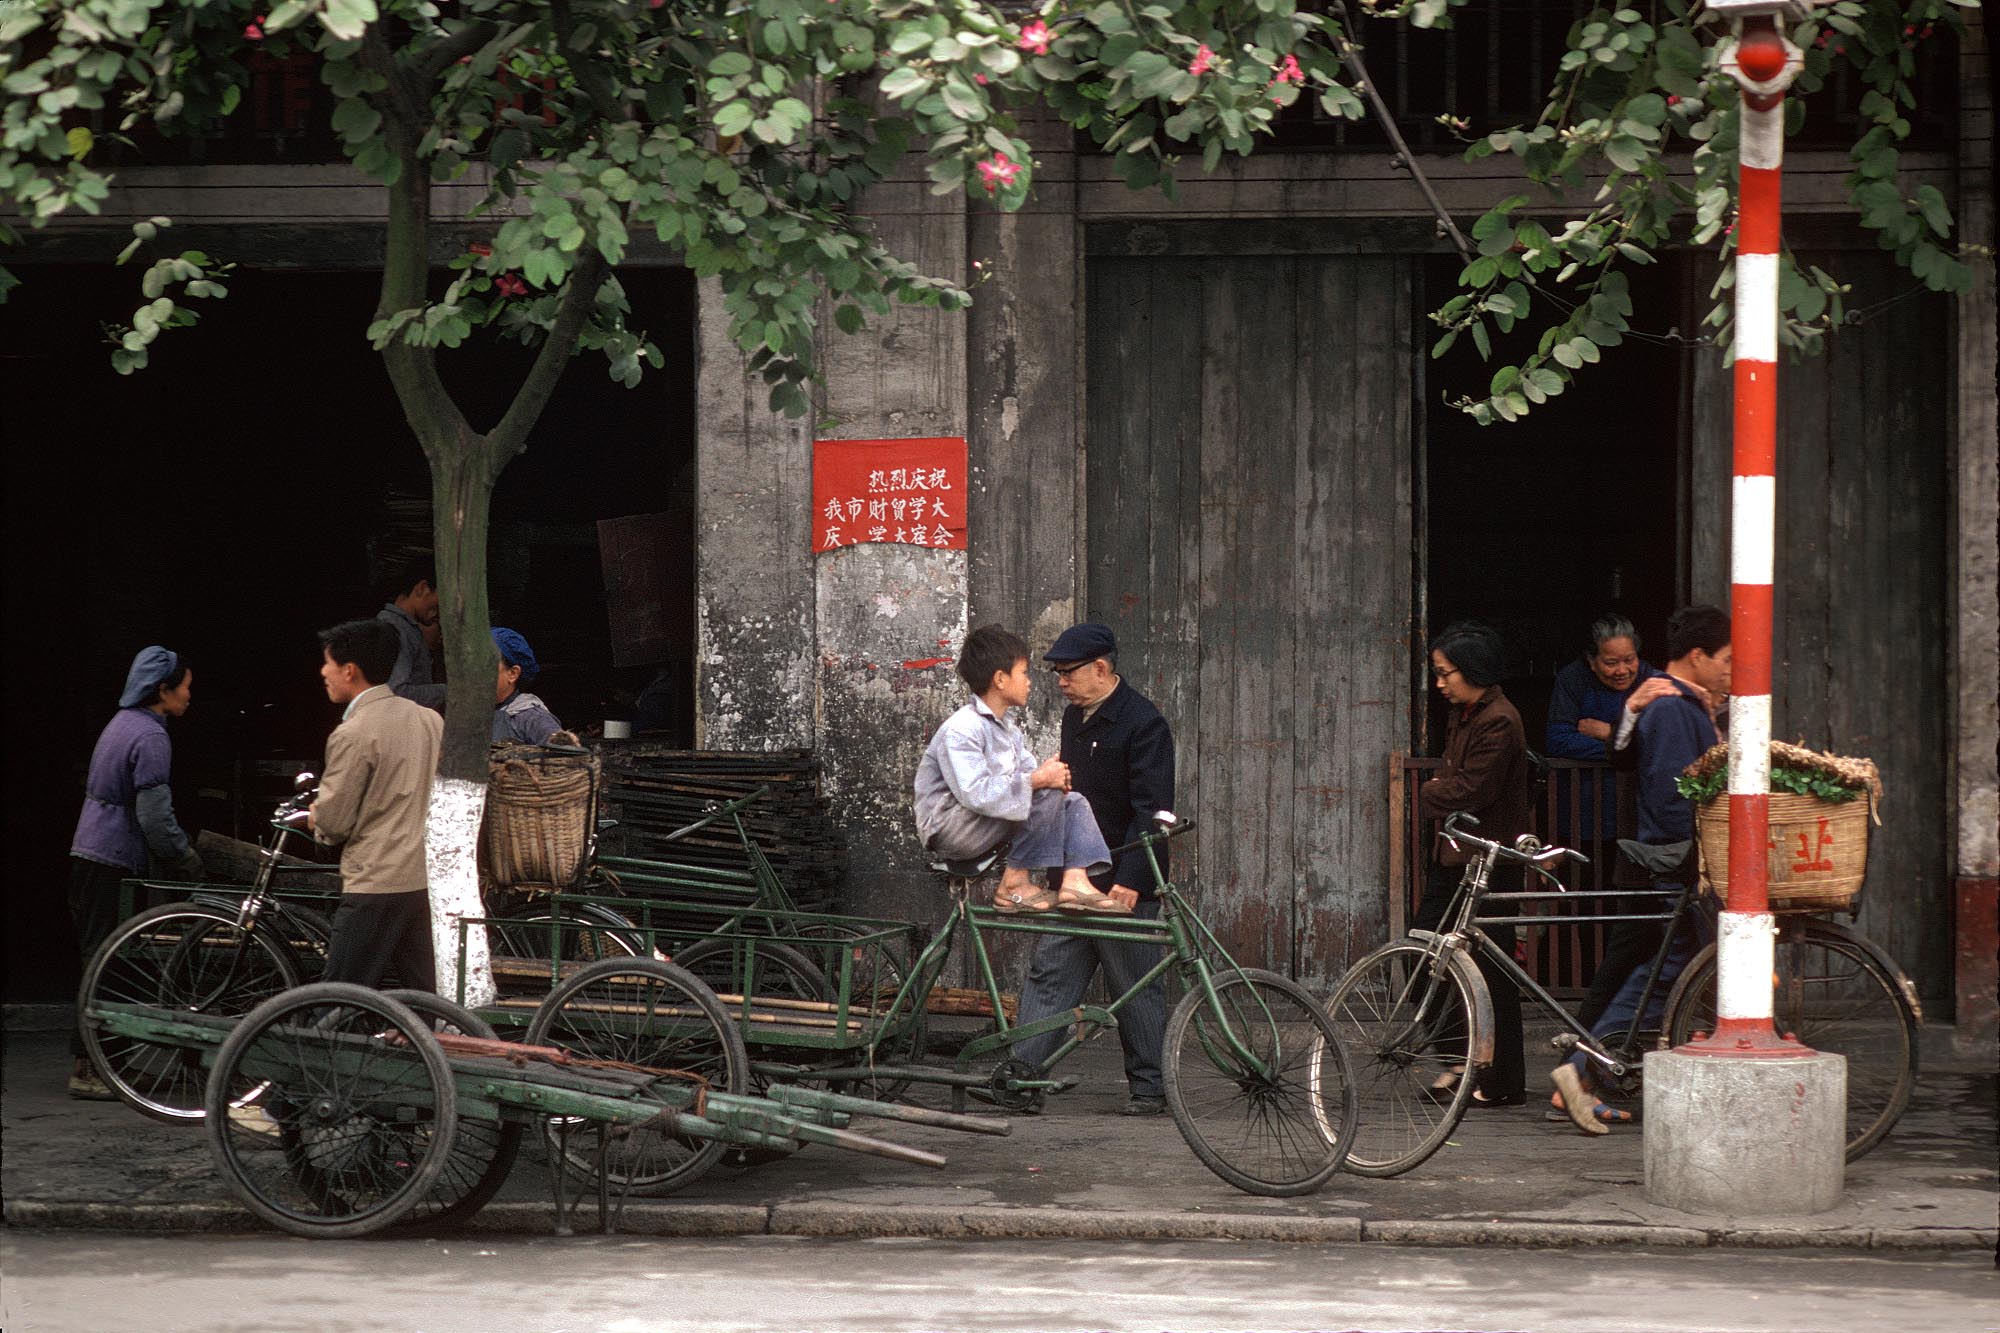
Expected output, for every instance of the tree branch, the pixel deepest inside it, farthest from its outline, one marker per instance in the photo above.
(589, 74)
(427, 404)
(469, 40)
(510, 437)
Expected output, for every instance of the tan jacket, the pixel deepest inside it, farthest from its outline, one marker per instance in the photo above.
(375, 791)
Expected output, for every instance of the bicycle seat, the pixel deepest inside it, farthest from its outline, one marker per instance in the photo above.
(971, 867)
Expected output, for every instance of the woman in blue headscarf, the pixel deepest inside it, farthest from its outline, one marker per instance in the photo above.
(128, 815)
(517, 715)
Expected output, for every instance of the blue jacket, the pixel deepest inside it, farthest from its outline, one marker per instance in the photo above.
(1672, 733)
(1578, 695)
(1121, 759)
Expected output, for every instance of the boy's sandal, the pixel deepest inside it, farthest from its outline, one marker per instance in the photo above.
(1091, 901)
(1012, 901)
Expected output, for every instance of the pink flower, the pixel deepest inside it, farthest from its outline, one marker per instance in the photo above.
(1673, 99)
(1203, 60)
(979, 79)
(509, 285)
(253, 31)
(481, 248)
(996, 171)
(1036, 37)
(1288, 71)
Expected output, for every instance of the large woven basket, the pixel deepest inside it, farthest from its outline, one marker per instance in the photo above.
(1818, 850)
(538, 806)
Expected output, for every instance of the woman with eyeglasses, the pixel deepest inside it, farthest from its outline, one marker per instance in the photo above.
(1485, 772)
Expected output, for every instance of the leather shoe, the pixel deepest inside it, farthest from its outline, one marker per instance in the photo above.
(1145, 1106)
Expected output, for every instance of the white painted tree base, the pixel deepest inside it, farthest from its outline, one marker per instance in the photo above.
(451, 852)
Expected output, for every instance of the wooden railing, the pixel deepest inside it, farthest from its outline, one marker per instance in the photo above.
(1568, 805)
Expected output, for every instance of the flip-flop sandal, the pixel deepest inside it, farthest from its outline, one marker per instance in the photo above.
(1556, 1114)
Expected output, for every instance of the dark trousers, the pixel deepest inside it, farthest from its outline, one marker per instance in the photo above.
(374, 933)
(93, 911)
(1506, 1078)
(1060, 973)
(1628, 948)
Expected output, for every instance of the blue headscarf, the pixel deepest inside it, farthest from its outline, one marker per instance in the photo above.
(514, 651)
(150, 669)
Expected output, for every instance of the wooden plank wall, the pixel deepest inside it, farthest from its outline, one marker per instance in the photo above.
(1863, 582)
(1248, 444)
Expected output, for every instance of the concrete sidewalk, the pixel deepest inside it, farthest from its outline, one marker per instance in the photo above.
(1078, 1170)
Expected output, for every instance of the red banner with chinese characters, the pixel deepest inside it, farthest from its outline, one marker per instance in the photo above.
(909, 491)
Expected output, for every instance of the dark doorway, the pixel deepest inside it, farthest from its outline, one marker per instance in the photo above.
(1538, 526)
(233, 497)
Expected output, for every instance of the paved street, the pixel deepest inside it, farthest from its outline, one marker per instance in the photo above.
(81, 1283)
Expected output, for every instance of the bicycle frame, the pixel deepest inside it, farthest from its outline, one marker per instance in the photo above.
(1463, 933)
(1188, 943)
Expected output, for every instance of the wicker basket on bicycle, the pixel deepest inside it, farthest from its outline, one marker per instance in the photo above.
(1821, 806)
(538, 811)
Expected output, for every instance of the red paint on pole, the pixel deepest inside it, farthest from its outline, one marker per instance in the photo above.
(1756, 419)
(1749, 851)
(1758, 210)
(1750, 638)
(924, 663)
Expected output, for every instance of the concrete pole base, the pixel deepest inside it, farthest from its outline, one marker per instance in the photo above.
(1745, 1136)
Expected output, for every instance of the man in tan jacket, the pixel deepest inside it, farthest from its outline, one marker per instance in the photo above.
(373, 795)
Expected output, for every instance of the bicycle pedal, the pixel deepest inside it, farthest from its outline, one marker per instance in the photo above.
(1564, 1042)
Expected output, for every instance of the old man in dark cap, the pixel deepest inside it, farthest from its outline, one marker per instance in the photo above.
(1121, 759)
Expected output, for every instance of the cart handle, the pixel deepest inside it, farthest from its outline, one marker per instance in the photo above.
(715, 813)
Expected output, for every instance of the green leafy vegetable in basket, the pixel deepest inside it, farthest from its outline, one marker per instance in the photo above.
(1707, 786)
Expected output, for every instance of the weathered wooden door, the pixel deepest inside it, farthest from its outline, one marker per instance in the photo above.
(1249, 537)
(1863, 579)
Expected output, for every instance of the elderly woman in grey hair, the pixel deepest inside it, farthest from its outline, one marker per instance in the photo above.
(128, 814)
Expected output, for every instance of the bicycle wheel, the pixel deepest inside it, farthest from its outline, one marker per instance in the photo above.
(649, 1013)
(331, 1110)
(1277, 1130)
(1404, 1022)
(1834, 994)
(188, 957)
(310, 935)
(584, 937)
(482, 1152)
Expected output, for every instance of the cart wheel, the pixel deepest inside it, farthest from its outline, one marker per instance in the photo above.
(332, 1111)
(190, 957)
(482, 1152)
(1277, 1130)
(1404, 1022)
(1836, 996)
(643, 1012)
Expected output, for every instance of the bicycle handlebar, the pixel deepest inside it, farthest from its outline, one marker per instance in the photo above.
(1535, 854)
(1165, 825)
(715, 814)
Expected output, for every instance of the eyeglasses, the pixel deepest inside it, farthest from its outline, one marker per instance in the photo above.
(1064, 672)
(1443, 675)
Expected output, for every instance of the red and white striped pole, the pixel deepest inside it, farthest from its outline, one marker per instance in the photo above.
(1764, 64)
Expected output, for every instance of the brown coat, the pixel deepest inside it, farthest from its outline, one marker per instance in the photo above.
(1485, 773)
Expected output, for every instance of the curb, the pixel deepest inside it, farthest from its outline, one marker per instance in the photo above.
(852, 1222)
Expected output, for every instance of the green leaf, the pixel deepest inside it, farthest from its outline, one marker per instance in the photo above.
(730, 64)
(849, 318)
(1930, 201)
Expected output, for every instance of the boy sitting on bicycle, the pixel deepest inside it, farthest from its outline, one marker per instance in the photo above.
(978, 786)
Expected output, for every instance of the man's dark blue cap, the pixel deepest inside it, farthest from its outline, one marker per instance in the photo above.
(1082, 643)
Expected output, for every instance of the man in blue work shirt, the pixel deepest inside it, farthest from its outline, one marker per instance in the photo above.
(412, 609)
(1671, 720)
(1121, 759)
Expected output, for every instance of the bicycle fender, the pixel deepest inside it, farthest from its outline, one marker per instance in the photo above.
(1482, 998)
(1881, 959)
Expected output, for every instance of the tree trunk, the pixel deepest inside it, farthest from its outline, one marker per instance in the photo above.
(461, 501)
